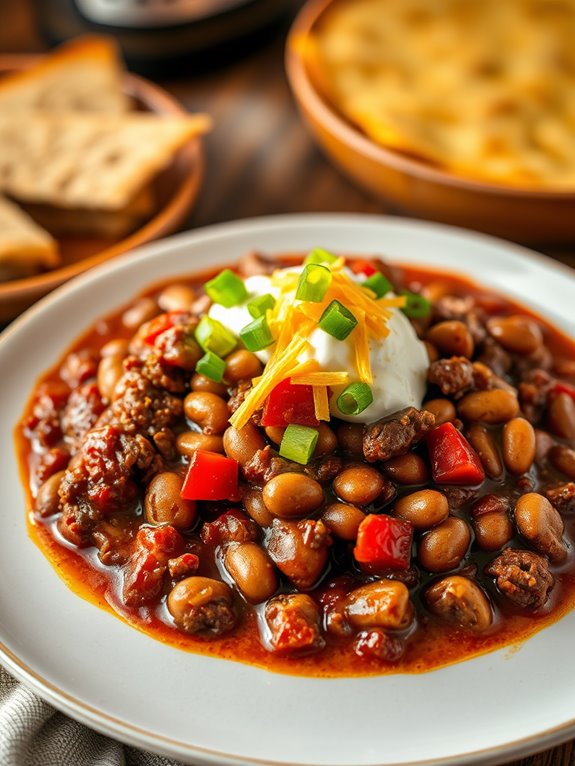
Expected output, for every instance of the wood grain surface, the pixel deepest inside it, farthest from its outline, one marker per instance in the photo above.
(260, 161)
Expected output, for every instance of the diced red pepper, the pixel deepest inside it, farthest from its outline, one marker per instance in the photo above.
(288, 403)
(211, 476)
(160, 324)
(561, 387)
(362, 266)
(453, 459)
(383, 541)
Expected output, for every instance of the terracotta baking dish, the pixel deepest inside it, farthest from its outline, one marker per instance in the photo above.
(175, 189)
(413, 185)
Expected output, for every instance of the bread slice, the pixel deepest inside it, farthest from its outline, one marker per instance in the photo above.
(82, 75)
(104, 224)
(25, 248)
(91, 161)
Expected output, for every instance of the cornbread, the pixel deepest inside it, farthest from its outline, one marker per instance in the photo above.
(482, 89)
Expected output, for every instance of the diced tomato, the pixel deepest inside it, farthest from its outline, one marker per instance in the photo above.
(383, 541)
(453, 459)
(289, 403)
(564, 388)
(362, 266)
(160, 324)
(211, 476)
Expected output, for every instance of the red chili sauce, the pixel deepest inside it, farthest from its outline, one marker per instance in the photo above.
(430, 642)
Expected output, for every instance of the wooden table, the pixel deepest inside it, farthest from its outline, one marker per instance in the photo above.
(260, 161)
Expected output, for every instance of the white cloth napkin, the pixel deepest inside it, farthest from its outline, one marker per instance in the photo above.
(33, 733)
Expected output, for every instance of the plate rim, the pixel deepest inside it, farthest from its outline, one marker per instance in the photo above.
(132, 734)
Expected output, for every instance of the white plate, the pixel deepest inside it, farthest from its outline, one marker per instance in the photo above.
(203, 710)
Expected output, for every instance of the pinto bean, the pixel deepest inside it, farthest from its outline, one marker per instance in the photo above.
(518, 334)
(359, 485)
(407, 469)
(443, 547)
(208, 410)
(493, 531)
(424, 509)
(350, 438)
(459, 601)
(299, 550)
(443, 409)
(493, 527)
(48, 500)
(452, 338)
(561, 415)
(381, 604)
(492, 406)
(275, 434)
(110, 370)
(518, 445)
(326, 441)
(115, 347)
(201, 383)
(256, 508)
(190, 441)
(290, 495)
(141, 311)
(242, 444)
(252, 571)
(176, 297)
(563, 459)
(202, 605)
(483, 442)
(241, 365)
(163, 503)
(541, 525)
(343, 520)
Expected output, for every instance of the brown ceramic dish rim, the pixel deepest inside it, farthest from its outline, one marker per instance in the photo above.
(302, 85)
(164, 221)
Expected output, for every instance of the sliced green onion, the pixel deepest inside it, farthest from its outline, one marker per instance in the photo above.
(257, 334)
(227, 289)
(355, 398)
(211, 366)
(416, 306)
(337, 321)
(378, 283)
(298, 443)
(319, 255)
(313, 283)
(213, 336)
(258, 306)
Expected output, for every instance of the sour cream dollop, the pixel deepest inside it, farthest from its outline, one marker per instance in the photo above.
(399, 361)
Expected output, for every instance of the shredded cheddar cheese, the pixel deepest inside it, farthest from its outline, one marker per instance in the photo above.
(320, 378)
(321, 402)
(361, 348)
